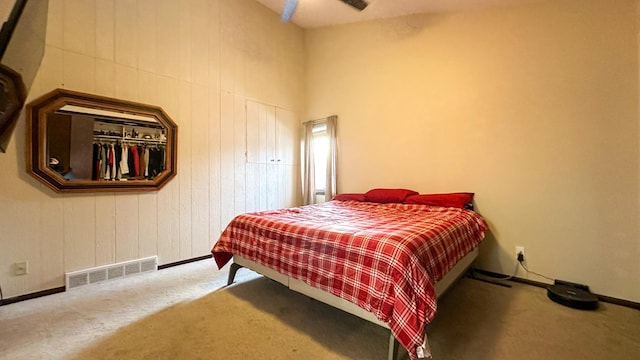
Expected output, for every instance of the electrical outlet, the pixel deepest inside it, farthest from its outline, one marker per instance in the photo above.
(21, 268)
(520, 249)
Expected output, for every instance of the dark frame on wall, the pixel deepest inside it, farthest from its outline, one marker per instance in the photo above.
(43, 110)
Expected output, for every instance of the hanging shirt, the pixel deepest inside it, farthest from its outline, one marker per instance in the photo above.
(112, 160)
(103, 162)
(146, 162)
(136, 160)
(124, 161)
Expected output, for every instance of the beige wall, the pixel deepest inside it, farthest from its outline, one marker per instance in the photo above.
(198, 59)
(535, 109)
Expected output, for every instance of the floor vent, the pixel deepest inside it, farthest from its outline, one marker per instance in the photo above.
(99, 274)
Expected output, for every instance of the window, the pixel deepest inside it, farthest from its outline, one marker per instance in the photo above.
(320, 150)
(319, 160)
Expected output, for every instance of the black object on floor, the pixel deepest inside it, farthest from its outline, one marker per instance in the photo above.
(489, 279)
(572, 295)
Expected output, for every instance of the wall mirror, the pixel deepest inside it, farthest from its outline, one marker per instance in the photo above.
(79, 142)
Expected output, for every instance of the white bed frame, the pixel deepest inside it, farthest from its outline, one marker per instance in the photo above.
(299, 286)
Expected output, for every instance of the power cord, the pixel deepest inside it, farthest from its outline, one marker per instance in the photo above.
(498, 280)
(521, 262)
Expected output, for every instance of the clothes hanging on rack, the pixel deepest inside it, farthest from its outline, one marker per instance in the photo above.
(123, 161)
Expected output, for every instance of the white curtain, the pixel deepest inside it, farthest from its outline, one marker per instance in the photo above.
(309, 160)
(308, 165)
(331, 188)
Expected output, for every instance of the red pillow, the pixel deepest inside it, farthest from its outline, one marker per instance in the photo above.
(345, 197)
(388, 195)
(458, 200)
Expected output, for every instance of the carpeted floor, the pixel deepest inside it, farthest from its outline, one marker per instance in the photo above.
(186, 313)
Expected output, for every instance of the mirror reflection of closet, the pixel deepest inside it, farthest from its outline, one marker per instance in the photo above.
(85, 144)
(82, 142)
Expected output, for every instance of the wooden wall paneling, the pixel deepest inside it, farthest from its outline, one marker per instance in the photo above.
(297, 185)
(168, 236)
(127, 223)
(253, 132)
(105, 30)
(49, 76)
(174, 218)
(285, 192)
(185, 157)
(14, 250)
(200, 171)
(126, 33)
(13, 242)
(185, 45)
(52, 251)
(270, 131)
(263, 119)
(126, 82)
(251, 186)
(79, 35)
(105, 229)
(253, 87)
(238, 66)
(253, 153)
(254, 54)
(147, 36)
(215, 226)
(239, 146)
(168, 95)
(27, 213)
(227, 174)
(148, 92)
(199, 42)
(105, 78)
(168, 38)
(78, 72)
(79, 232)
(199, 136)
(263, 190)
(147, 87)
(285, 183)
(148, 228)
(214, 44)
(169, 196)
(236, 43)
(273, 186)
(263, 129)
(287, 136)
(226, 44)
(55, 24)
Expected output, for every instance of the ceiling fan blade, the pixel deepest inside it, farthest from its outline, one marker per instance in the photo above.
(288, 10)
(358, 4)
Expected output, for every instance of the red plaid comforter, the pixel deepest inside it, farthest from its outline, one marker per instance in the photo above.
(385, 258)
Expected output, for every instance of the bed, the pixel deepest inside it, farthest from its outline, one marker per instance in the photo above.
(385, 262)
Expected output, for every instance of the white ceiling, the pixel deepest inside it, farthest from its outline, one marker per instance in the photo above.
(319, 13)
